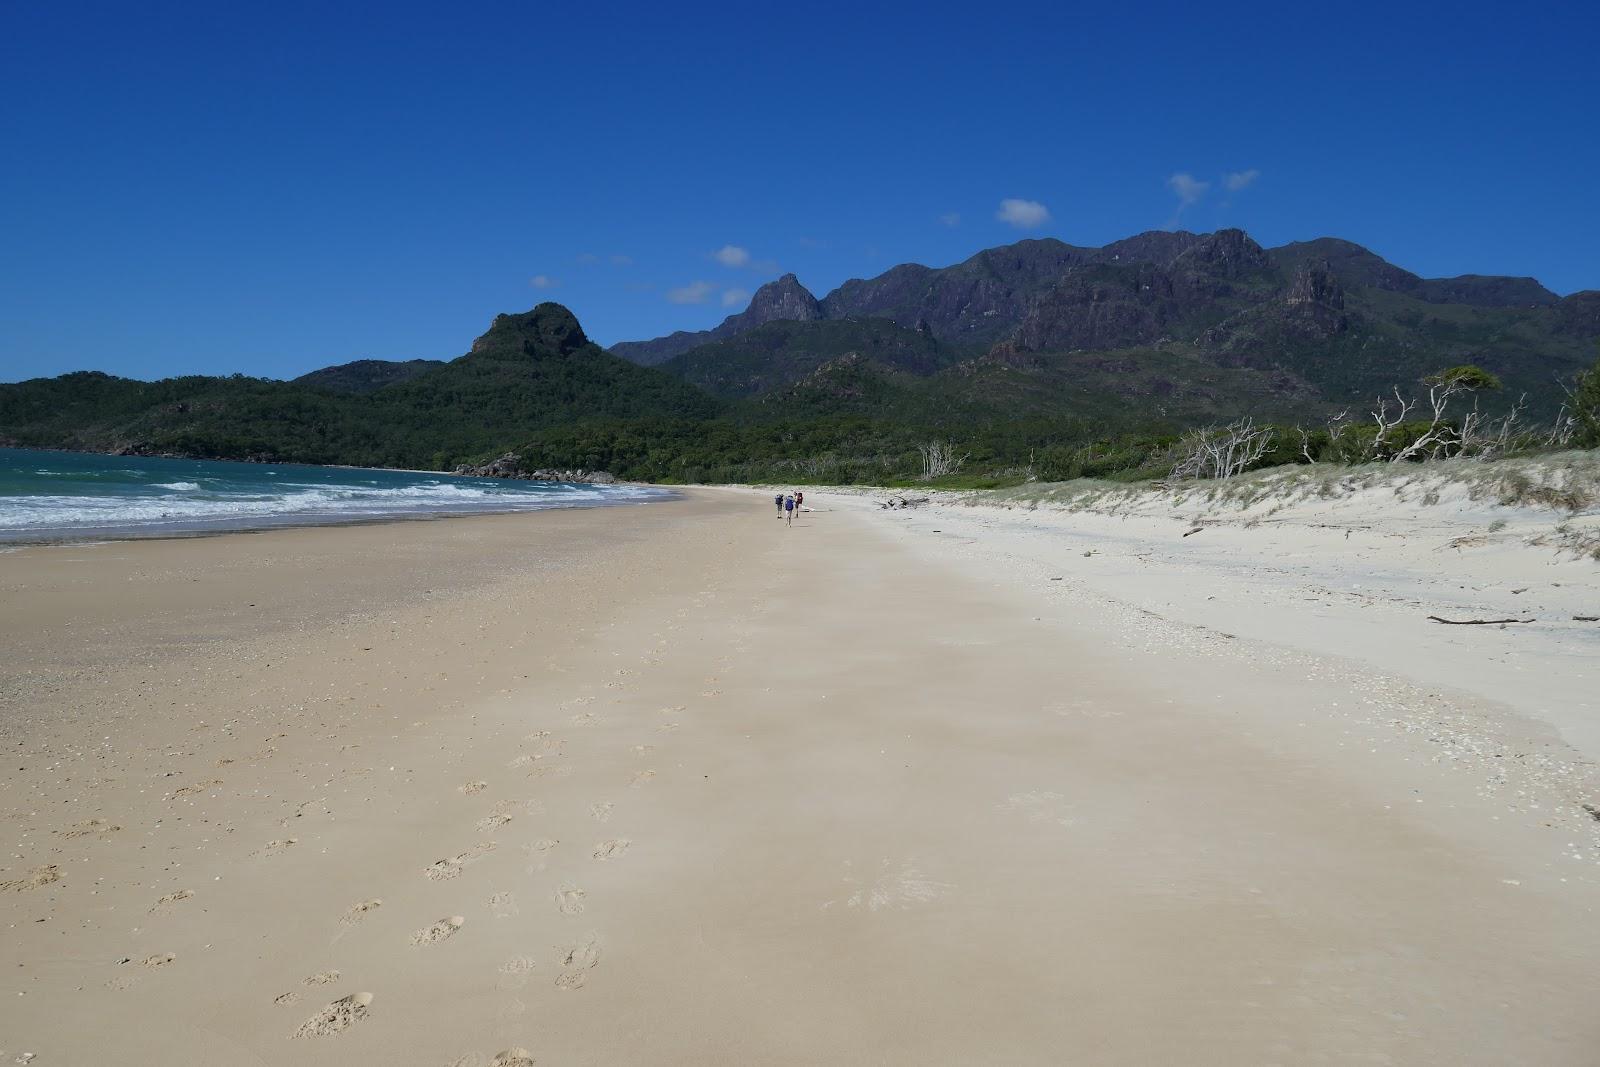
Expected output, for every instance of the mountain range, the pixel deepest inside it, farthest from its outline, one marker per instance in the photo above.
(1030, 350)
(1326, 318)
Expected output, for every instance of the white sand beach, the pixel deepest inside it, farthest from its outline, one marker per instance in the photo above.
(678, 784)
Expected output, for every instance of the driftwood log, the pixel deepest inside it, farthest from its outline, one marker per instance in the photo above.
(1476, 622)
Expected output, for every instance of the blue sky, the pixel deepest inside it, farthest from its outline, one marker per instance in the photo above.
(211, 189)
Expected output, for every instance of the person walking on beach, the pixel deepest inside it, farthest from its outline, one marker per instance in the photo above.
(799, 499)
(779, 501)
(788, 509)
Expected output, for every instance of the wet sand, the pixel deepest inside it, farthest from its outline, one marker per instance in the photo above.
(675, 784)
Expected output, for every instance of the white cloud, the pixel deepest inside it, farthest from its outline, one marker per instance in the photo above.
(621, 261)
(693, 293)
(543, 281)
(1240, 179)
(732, 256)
(953, 219)
(1023, 214)
(1187, 188)
(588, 259)
(734, 297)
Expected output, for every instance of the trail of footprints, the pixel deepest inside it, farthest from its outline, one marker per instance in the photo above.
(575, 963)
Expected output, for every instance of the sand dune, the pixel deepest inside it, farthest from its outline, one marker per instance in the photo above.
(680, 784)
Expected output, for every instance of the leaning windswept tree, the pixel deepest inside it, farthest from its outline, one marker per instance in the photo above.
(1441, 435)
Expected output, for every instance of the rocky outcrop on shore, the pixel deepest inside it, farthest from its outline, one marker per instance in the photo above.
(510, 466)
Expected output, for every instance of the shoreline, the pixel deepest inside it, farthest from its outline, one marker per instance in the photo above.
(696, 786)
(115, 535)
(244, 506)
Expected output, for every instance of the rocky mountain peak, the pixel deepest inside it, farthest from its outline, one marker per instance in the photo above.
(549, 327)
(1229, 253)
(784, 298)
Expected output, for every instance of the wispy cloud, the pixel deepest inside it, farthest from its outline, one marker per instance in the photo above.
(1023, 214)
(1235, 180)
(1188, 189)
(588, 259)
(734, 297)
(543, 281)
(621, 261)
(693, 293)
(732, 256)
(953, 219)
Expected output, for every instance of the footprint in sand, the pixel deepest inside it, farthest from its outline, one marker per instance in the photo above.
(473, 788)
(276, 848)
(523, 760)
(577, 962)
(34, 879)
(439, 931)
(601, 810)
(511, 1057)
(442, 870)
(149, 963)
(610, 850)
(894, 885)
(337, 1017)
(667, 727)
(356, 912)
(291, 997)
(490, 823)
(514, 973)
(198, 787)
(586, 718)
(642, 778)
(644, 750)
(320, 978)
(170, 899)
(503, 905)
(569, 900)
(537, 852)
(99, 827)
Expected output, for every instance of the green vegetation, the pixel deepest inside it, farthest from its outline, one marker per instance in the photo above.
(859, 400)
(1584, 403)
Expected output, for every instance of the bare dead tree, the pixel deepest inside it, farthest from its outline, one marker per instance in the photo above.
(1222, 451)
(1562, 430)
(1387, 423)
(1336, 429)
(939, 459)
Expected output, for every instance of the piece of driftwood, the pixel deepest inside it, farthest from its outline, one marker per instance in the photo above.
(1476, 622)
(1586, 618)
(1196, 530)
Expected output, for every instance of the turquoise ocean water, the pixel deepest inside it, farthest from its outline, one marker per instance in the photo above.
(53, 496)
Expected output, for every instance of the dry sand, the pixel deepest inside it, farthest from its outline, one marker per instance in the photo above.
(676, 784)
